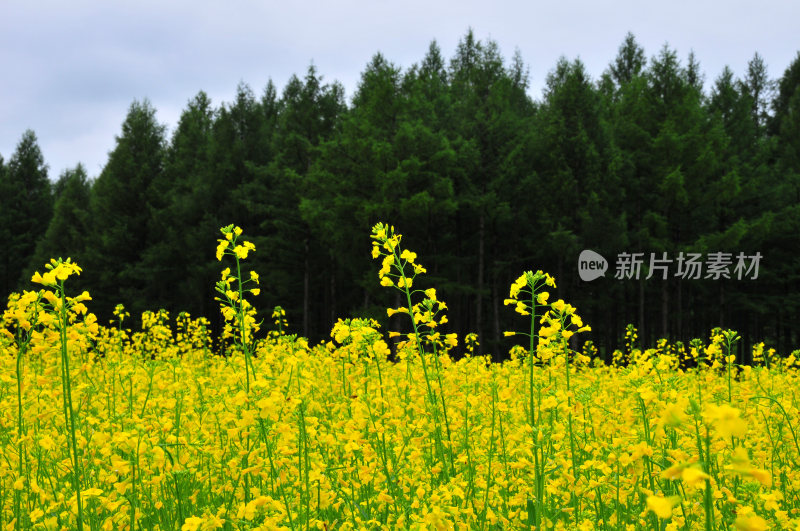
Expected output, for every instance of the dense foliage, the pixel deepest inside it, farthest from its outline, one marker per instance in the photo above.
(458, 154)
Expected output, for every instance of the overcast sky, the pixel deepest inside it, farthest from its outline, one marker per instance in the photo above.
(70, 70)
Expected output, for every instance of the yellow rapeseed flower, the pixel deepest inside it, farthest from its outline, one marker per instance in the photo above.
(751, 522)
(694, 476)
(223, 244)
(726, 420)
(192, 523)
(662, 506)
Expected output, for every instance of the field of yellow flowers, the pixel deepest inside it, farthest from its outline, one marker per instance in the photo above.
(103, 427)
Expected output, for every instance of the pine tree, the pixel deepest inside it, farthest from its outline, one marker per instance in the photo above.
(345, 190)
(692, 74)
(630, 61)
(783, 238)
(786, 127)
(577, 203)
(759, 88)
(295, 256)
(488, 102)
(68, 231)
(123, 200)
(182, 224)
(26, 203)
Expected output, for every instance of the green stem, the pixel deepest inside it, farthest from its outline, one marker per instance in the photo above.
(491, 454)
(418, 337)
(245, 347)
(539, 472)
(20, 433)
(70, 413)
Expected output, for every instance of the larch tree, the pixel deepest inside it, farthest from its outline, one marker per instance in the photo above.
(122, 204)
(26, 203)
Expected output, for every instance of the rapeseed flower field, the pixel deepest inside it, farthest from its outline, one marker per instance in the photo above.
(107, 428)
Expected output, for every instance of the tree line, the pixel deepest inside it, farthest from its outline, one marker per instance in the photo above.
(482, 180)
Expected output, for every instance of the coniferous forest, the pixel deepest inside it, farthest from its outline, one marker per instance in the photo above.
(483, 180)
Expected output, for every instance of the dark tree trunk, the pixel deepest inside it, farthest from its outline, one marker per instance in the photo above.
(479, 305)
(665, 308)
(642, 327)
(496, 308)
(679, 310)
(333, 294)
(306, 281)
